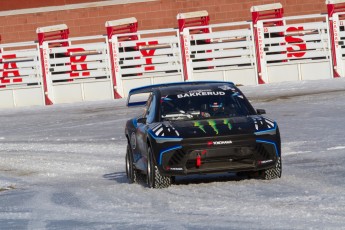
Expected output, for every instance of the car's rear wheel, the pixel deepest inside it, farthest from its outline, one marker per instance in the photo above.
(154, 178)
(273, 173)
(130, 170)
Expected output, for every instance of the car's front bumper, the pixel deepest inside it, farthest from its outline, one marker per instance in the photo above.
(226, 154)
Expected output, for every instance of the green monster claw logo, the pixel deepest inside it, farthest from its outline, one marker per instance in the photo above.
(213, 124)
(198, 124)
(227, 122)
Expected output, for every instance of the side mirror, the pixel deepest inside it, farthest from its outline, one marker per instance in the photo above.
(260, 111)
(142, 120)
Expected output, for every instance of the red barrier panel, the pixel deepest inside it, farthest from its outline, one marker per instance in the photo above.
(334, 7)
(50, 33)
(118, 27)
(264, 12)
(191, 19)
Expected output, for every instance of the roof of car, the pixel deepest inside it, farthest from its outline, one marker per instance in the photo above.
(176, 88)
(180, 86)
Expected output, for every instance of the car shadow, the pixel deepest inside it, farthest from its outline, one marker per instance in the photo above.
(121, 178)
(210, 178)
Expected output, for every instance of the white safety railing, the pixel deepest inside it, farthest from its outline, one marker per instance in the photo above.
(20, 75)
(339, 41)
(272, 48)
(152, 59)
(79, 71)
(226, 53)
(298, 50)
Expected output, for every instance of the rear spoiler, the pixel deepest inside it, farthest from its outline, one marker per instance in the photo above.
(151, 88)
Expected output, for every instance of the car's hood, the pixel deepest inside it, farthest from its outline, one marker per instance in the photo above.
(212, 127)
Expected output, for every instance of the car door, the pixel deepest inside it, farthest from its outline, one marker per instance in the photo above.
(142, 128)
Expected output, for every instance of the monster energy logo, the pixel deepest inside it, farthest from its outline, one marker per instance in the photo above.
(227, 122)
(198, 124)
(213, 124)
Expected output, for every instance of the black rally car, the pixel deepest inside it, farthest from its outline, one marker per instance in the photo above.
(198, 128)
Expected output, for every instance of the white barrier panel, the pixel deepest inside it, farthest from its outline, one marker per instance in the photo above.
(20, 75)
(298, 50)
(226, 53)
(78, 72)
(152, 59)
(339, 41)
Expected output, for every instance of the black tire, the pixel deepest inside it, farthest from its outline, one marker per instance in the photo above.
(130, 170)
(273, 173)
(154, 178)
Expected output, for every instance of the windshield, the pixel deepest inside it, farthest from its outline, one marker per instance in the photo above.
(204, 104)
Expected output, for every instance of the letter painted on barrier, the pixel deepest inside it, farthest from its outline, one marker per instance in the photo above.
(10, 69)
(78, 59)
(115, 57)
(260, 42)
(147, 53)
(295, 41)
(186, 48)
(45, 60)
(336, 34)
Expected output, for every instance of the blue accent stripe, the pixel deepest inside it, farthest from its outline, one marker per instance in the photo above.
(138, 103)
(152, 134)
(167, 150)
(135, 123)
(269, 142)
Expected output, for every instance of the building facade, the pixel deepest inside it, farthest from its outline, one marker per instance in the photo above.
(20, 19)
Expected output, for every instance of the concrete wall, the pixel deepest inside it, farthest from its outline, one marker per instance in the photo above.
(19, 19)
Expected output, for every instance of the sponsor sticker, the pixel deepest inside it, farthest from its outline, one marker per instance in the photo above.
(176, 169)
(222, 142)
(267, 161)
(226, 87)
(200, 94)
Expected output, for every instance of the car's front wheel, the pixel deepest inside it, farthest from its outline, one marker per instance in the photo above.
(154, 178)
(130, 170)
(273, 173)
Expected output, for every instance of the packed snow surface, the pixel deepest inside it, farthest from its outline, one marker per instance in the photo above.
(63, 167)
